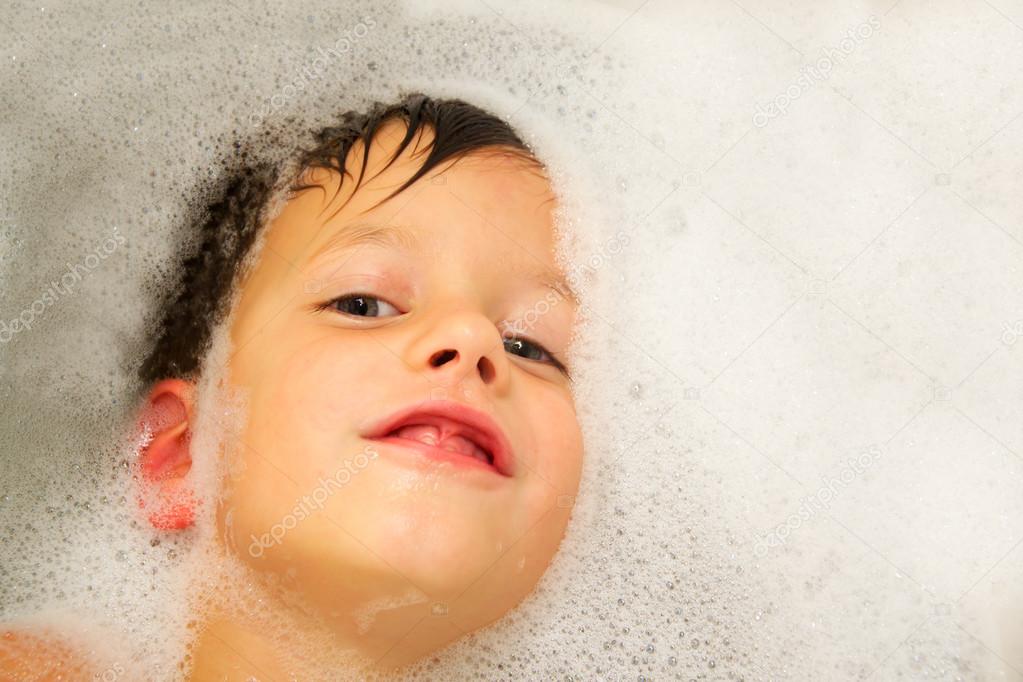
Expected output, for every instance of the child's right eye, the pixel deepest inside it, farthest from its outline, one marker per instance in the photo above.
(361, 305)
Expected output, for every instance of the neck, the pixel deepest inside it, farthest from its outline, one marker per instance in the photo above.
(287, 644)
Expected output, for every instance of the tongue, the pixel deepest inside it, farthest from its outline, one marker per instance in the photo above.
(431, 435)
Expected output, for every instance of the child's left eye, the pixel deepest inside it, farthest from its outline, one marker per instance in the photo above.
(517, 345)
(362, 305)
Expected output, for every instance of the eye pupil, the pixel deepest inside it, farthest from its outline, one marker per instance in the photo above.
(523, 348)
(363, 306)
(532, 351)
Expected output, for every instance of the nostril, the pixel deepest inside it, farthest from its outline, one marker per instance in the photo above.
(442, 356)
(487, 371)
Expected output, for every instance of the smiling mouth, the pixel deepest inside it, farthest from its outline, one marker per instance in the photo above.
(444, 437)
(450, 432)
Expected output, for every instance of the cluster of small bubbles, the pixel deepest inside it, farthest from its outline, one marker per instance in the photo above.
(138, 141)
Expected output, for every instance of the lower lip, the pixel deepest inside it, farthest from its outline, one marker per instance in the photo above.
(431, 456)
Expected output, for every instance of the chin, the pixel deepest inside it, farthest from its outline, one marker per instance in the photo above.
(442, 553)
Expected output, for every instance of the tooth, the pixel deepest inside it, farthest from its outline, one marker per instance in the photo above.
(424, 433)
(466, 446)
(431, 435)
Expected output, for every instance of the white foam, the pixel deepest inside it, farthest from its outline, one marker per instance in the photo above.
(115, 121)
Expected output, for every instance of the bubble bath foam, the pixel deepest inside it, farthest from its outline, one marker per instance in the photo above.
(797, 237)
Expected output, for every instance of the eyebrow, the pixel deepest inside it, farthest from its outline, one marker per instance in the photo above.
(352, 236)
(404, 239)
(552, 279)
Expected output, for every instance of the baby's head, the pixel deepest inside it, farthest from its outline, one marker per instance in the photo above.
(410, 451)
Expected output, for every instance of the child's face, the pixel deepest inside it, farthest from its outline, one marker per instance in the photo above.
(474, 254)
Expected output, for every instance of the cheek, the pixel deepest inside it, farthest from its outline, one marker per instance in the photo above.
(558, 442)
(304, 409)
(298, 430)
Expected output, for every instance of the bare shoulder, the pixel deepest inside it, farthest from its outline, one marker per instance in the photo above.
(40, 656)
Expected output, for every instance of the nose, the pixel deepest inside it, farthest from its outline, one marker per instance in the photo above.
(462, 346)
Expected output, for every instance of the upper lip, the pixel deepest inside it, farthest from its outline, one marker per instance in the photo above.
(469, 422)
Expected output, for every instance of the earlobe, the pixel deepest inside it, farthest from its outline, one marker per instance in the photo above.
(166, 494)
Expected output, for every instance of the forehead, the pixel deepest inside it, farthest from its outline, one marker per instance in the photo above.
(372, 176)
(485, 202)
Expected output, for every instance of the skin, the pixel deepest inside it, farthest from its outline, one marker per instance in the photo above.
(408, 554)
(454, 548)
(42, 654)
(28, 655)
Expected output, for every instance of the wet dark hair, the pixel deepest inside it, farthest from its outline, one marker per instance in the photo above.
(230, 224)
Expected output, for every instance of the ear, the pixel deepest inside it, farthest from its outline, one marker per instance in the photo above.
(166, 492)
